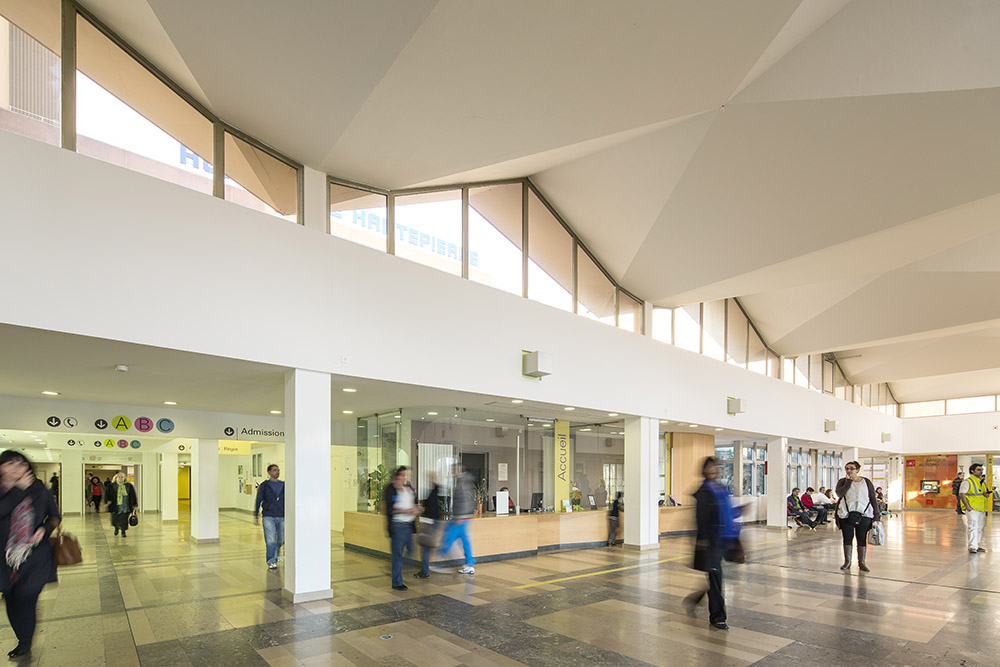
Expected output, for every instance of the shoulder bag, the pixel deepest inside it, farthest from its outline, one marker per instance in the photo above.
(66, 548)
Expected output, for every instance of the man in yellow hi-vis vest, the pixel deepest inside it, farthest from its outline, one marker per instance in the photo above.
(972, 496)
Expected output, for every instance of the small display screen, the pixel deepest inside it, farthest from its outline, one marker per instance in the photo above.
(930, 486)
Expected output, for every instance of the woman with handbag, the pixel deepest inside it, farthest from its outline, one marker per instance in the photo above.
(28, 515)
(430, 529)
(857, 510)
(718, 536)
(123, 503)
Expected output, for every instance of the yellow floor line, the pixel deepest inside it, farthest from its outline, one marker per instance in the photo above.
(619, 569)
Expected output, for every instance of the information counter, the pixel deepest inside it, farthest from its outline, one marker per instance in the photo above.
(499, 537)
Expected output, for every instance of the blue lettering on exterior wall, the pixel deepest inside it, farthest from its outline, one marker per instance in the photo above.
(196, 162)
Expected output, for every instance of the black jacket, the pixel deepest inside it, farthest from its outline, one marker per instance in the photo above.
(40, 568)
(131, 498)
(432, 504)
(708, 545)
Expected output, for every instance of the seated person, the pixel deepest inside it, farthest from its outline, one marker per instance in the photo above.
(510, 501)
(819, 498)
(796, 509)
(832, 496)
(807, 502)
(883, 507)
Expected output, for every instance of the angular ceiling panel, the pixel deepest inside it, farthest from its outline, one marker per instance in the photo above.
(880, 47)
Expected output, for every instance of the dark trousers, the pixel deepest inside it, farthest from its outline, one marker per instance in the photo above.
(402, 533)
(21, 612)
(97, 503)
(120, 521)
(859, 531)
(820, 513)
(612, 529)
(716, 604)
(803, 517)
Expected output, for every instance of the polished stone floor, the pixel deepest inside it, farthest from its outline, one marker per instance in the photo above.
(158, 599)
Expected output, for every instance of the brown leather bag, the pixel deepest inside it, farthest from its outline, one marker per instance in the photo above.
(66, 548)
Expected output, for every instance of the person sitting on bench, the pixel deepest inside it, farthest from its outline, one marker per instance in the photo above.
(797, 510)
(812, 506)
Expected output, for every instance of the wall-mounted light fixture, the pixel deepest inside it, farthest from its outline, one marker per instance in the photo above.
(829, 425)
(886, 437)
(536, 364)
(735, 406)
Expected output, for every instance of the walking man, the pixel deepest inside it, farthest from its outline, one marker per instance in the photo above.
(271, 496)
(463, 505)
(972, 496)
(400, 509)
(956, 486)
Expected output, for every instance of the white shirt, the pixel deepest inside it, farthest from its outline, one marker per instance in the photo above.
(404, 501)
(819, 498)
(856, 500)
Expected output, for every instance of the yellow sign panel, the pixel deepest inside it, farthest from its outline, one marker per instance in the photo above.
(561, 460)
(234, 447)
(121, 423)
(989, 481)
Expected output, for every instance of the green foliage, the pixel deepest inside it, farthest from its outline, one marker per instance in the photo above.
(375, 483)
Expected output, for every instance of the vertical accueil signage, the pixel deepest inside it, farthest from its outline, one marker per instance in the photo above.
(989, 480)
(561, 463)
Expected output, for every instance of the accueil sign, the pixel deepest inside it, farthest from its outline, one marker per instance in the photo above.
(561, 463)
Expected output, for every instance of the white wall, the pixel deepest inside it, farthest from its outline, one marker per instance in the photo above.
(951, 434)
(459, 335)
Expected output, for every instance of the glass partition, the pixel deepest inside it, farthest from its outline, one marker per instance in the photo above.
(738, 328)
(429, 229)
(756, 354)
(713, 340)
(629, 313)
(596, 294)
(358, 216)
(687, 327)
(128, 117)
(495, 236)
(725, 455)
(30, 69)
(550, 257)
(663, 325)
(258, 180)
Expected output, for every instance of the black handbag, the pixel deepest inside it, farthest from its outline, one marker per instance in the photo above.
(133, 519)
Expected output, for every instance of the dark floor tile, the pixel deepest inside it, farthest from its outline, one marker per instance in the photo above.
(163, 654)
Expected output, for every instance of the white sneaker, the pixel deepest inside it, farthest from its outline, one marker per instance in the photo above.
(272, 566)
(468, 569)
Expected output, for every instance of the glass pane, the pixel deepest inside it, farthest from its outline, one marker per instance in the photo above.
(758, 354)
(761, 481)
(857, 394)
(747, 479)
(663, 325)
(762, 453)
(128, 117)
(773, 365)
(788, 369)
(725, 453)
(737, 344)
(550, 257)
(748, 453)
(827, 377)
(713, 343)
(629, 313)
(255, 179)
(597, 293)
(429, 230)
(963, 406)
(495, 236)
(816, 372)
(839, 386)
(358, 216)
(687, 327)
(30, 74)
(802, 371)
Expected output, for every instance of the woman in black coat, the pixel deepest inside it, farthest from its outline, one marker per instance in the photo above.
(28, 515)
(123, 502)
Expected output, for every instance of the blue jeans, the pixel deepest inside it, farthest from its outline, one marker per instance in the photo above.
(402, 534)
(458, 530)
(274, 537)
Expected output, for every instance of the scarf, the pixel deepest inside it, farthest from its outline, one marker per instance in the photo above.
(22, 527)
(122, 499)
(728, 528)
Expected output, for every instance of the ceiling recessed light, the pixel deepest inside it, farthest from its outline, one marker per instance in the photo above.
(693, 425)
(275, 412)
(349, 390)
(348, 412)
(584, 429)
(569, 409)
(491, 420)
(612, 414)
(51, 393)
(432, 414)
(664, 421)
(396, 417)
(170, 402)
(719, 429)
(517, 400)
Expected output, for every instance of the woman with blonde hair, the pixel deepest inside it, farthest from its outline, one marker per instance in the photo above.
(123, 502)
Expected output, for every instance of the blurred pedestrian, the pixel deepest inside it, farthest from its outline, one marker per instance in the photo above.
(400, 509)
(463, 505)
(430, 528)
(956, 487)
(616, 506)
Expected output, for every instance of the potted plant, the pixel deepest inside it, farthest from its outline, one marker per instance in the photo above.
(375, 481)
(575, 496)
(480, 495)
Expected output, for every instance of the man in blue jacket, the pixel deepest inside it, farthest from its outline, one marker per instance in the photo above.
(271, 495)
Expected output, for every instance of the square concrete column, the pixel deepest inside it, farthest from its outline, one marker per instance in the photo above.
(150, 501)
(777, 463)
(642, 483)
(316, 207)
(205, 491)
(307, 486)
(168, 487)
(71, 482)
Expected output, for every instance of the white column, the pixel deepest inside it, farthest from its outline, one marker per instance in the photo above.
(168, 486)
(647, 318)
(307, 486)
(71, 482)
(642, 488)
(205, 491)
(315, 211)
(850, 454)
(150, 501)
(777, 462)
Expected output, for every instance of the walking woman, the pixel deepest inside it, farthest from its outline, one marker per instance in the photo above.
(95, 493)
(717, 532)
(123, 502)
(28, 515)
(857, 508)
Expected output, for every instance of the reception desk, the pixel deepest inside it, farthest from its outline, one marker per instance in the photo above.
(500, 537)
